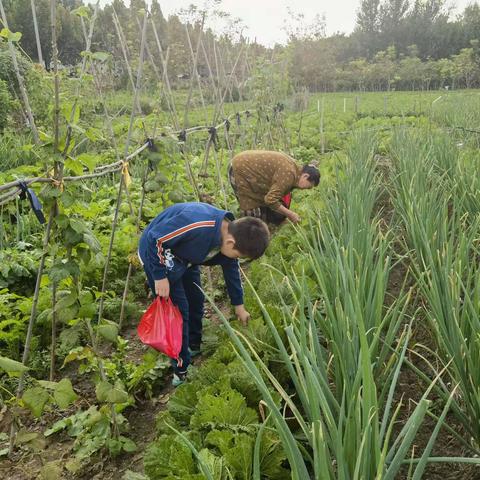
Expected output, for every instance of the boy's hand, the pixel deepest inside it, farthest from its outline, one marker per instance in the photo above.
(242, 314)
(162, 287)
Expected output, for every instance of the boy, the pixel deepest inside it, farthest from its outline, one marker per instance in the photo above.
(262, 179)
(180, 239)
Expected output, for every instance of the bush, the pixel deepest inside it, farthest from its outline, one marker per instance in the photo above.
(7, 72)
(5, 105)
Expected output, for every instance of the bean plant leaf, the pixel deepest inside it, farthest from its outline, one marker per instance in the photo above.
(35, 400)
(92, 242)
(33, 440)
(67, 300)
(12, 367)
(61, 270)
(108, 330)
(79, 353)
(106, 392)
(128, 445)
(82, 11)
(48, 385)
(51, 471)
(101, 56)
(71, 112)
(10, 36)
(78, 225)
(87, 159)
(64, 394)
(74, 165)
(87, 311)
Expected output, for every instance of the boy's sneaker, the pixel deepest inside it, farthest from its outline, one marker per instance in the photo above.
(194, 351)
(179, 378)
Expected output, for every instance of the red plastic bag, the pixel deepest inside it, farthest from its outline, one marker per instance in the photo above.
(287, 199)
(161, 327)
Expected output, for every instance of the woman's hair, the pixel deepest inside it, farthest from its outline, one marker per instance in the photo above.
(313, 173)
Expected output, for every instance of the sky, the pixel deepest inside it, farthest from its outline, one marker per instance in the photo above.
(264, 19)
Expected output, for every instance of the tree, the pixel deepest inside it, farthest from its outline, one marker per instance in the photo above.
(20, 19)
(409, 70)
(368, 18)
(466, 68)
(298, 28)
(384, 69)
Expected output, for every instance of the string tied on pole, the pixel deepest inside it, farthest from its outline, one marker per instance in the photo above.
(59, 184)
(126, 174)
(151, 145)
(213, 136)
(34, 201)
(182, 136)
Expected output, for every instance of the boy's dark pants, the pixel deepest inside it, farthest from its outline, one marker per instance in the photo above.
(188, 297)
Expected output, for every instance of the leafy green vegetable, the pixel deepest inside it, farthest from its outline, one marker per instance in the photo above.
(229, 408)
(168, 455)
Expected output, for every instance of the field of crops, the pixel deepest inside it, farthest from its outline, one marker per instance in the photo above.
(361, 357)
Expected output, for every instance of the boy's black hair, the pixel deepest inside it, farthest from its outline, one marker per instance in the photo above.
(313, 174)
(251, 236)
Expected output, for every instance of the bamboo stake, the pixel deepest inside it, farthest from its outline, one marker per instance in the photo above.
(33, 314)
(58, 166)
(220, 178)
(322, 134)
(130, 265)
(37, 35)
(80, 82)
(215, 89)
(197, 75)
(195, 63)
(227, 85)
(164, 60)
(56, 109)
(21, 85)
(224, 73)
(54, 332)
(159, 77)
(123, 46)
(127, 144)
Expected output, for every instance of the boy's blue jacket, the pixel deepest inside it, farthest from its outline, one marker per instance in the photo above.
(188, 232)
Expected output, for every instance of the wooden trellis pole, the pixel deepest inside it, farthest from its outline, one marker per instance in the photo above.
(130, 265)
(192, 79)
(21, 84)
(33, 314)
(123, 46)
(195, 70)
(164, 60)
(37, 35)
(122, 177)
(215, 88)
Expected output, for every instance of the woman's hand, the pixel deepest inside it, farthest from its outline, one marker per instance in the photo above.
(294, 217)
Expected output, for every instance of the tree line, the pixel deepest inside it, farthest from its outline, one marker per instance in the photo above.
(396, 44)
